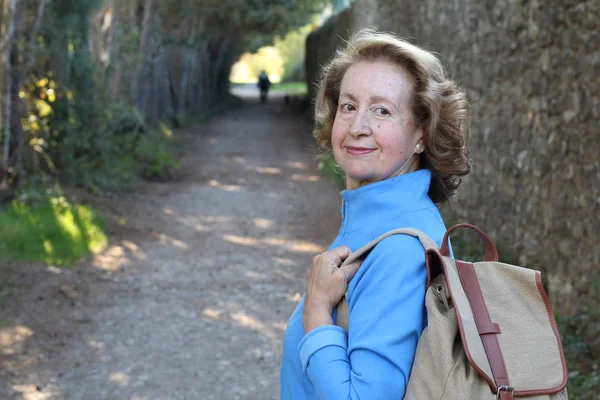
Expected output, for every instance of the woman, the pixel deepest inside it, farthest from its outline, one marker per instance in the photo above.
(397, 127)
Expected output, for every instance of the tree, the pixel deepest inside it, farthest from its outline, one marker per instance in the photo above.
(76, 74)
(7, 28)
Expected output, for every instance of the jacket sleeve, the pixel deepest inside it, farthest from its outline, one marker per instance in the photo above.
(387, 315)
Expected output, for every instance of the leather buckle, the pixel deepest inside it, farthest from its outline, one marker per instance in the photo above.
(504, 388)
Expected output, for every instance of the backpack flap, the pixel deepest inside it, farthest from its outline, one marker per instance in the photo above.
(506, 325)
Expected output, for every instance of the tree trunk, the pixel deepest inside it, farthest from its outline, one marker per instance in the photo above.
(166, 83)
(203, 76)
(20, 111)
(21, 76)
(154, 83)
(143, 50)
(114, 81)
(181, 107)
(222, 53)
(124, 24)
(187, 54)
(132, 10)
(170, 88)
(9, 14)
(32, 38)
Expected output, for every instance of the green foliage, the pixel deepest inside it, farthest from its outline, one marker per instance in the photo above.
(292, 50)
(290, 88)
(72, 131)
(122, 120)
(155, 154)
(283, 62)
(70, 127)
(579, 332)
(259, 21)
(53, 231)
(331, 170)
(100, 158)
(249, 67)
(75, 135)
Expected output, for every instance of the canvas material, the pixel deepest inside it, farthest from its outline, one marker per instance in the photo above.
(426, 241)
(528, 342)
(444, 367)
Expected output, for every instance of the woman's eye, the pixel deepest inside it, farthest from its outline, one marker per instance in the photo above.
(382, 111)
(347, 107)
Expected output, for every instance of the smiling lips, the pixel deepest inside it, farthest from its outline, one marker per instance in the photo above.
(358, 151)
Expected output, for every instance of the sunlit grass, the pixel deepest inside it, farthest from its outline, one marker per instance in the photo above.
(53, 231)
(290, 87)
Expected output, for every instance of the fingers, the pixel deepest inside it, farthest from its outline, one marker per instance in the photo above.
(342, 251)
(339, 254)
(326, 279)
(350, 270)
(332, 258)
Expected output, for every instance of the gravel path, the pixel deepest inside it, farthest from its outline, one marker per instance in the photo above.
(191, 297)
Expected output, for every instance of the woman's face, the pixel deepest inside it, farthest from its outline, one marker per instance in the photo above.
(374, 135)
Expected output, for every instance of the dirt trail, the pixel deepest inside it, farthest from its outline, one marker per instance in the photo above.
(191, 297)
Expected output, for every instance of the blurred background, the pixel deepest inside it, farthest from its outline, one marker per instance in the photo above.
(93, 94)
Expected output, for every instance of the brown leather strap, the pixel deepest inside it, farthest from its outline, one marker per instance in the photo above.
(485, 327)
(491, 253)
(506, 395)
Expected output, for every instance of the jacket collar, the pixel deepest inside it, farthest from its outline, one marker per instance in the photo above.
(385, 200)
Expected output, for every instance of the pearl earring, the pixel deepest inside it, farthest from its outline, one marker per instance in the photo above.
(419, 148)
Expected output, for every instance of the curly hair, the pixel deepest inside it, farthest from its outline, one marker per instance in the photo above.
(440, 108)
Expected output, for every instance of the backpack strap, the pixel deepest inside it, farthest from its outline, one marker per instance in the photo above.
(342, 314)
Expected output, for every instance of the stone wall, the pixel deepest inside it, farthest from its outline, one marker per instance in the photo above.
(532, 72)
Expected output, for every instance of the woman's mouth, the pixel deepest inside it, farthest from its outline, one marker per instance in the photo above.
(358, 151)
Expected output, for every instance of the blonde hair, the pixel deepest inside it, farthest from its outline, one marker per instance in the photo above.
(439, 107)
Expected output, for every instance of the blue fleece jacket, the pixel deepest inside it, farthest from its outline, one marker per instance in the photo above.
(385, 298)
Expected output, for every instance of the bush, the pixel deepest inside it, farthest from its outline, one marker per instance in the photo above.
(331, 170)
(579, 332)
(122, 119)
(154, 154)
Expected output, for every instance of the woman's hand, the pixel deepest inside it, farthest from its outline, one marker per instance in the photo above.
(326, 284)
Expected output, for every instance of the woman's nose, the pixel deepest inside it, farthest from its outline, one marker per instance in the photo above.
(360, 124)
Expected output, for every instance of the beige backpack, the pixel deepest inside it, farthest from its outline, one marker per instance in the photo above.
(490, 330)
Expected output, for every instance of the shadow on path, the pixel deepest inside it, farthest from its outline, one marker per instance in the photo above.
(191, 297)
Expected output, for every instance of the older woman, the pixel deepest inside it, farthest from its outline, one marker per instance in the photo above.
(397, 127)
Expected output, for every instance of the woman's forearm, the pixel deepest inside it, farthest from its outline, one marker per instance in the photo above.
(315, 315)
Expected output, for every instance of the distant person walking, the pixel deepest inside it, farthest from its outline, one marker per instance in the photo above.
(263, 84)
